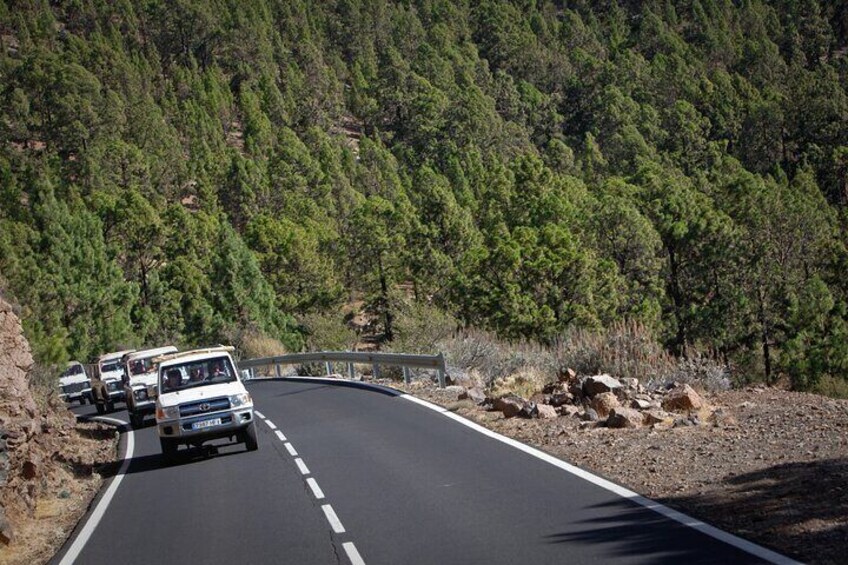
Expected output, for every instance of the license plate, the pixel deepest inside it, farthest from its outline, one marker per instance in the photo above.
(206, 424)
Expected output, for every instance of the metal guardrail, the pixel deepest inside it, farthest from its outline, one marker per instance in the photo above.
(407, 362)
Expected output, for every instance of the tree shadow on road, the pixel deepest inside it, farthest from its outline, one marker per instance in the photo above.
(636, 533)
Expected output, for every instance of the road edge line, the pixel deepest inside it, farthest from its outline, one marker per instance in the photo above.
(96, 515)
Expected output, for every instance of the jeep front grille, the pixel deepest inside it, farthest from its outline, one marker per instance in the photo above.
(204, 406)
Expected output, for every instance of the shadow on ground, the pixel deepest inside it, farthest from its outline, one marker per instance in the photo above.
(798, 509)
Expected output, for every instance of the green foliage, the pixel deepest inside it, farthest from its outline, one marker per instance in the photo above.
(190, 172)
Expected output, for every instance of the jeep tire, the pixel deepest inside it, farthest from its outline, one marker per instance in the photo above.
(248, 436)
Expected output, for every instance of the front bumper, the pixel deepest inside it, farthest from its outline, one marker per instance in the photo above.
(144, 407)
(182, 429)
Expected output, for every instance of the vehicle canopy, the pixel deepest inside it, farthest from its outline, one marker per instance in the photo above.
(111, 362)
(199, 367)
(142, 362)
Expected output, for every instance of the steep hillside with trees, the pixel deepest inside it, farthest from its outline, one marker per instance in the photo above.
(191, 171)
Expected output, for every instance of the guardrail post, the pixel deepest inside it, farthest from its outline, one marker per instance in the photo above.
(406, 377)
(375, 370)
(442, 369)
(350, 373)
(279, 370)
(327, 368)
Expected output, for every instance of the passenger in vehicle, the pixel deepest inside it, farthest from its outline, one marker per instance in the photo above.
(173, 380)
(196, 375)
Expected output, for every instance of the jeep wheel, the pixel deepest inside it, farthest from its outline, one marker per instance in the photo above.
(100, 408)
(137, 420)
(110, 406)
(169, 447)
(82, 400)
(249, 437)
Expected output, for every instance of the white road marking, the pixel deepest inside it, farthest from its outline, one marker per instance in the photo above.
(304, 470)
(352, 554)
(291, 449)
(334, 521)
(271, 424)
(97, 514)
(280, 435)
(260, 414)
(316, 490)
(693, 523)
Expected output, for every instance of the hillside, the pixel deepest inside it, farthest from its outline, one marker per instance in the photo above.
(195, 172)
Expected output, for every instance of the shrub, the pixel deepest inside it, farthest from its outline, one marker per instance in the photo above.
(328, 332)
(834, 387)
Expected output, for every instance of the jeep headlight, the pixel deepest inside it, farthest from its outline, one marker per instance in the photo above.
(167, 413)
(141, 394)
(241, 399)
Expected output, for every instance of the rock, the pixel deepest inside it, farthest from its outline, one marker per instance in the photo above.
(475, 395)
(513, 405)
(561, 399)
(656, 416)
(589, 415)
(624, 418)
(639, 404)
(631, 383)
(681, 399)
(722, 419)
(604, 403)
(567, 375)
(600, 384)
(455, 390)
(541, 398)
(569, 410)
(546, 412)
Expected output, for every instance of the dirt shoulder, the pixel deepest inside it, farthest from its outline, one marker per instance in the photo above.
(67, 485)
(774, 470)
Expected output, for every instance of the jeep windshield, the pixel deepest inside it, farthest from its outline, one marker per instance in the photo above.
(203, 372)
(111, 366)
(141, 366)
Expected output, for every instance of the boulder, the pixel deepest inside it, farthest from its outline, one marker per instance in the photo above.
(513, 405)
(541, 398)
(631, 383)
(639, 404)
(681, 399)
(567, 375)
(624, 418)
(546, 411)
(455, 390)
(656, 416)
(600, 384)
(475, 395)
(722, 419)
(561, 399)
(569, 410)
(589, 415)
(604, 403)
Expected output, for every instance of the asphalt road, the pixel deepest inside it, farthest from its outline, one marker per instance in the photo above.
(404, 484)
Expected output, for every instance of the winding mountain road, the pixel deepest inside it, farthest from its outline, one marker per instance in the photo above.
(346, 474)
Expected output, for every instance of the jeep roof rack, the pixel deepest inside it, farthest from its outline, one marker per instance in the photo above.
(178, 354)
(155, 352)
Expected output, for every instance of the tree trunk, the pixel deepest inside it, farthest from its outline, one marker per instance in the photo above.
(384, 294)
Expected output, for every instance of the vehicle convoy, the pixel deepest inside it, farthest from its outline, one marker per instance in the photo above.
(139, 382)
(200, 398)
(72, 382)
(106, 388)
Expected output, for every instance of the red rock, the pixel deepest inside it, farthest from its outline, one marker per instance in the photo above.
(603, 403)
(682, 399)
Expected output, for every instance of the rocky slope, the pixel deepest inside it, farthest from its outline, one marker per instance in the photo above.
(47, 460)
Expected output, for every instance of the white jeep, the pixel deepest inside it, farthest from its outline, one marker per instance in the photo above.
(200, 398)
(72, 382)
(140, 374)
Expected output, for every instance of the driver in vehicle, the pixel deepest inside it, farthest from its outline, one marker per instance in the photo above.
(173, 380)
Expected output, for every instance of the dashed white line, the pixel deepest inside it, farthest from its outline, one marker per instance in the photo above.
(260, 414)
(79, 543)
(292, 451)
(334, 521)
(316, 490)
(280, 435)
(271, 424)
(304, 470)
(352, 554)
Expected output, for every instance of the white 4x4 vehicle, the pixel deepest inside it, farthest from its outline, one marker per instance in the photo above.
(140, 382)
(200, 398)
(72, 382)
